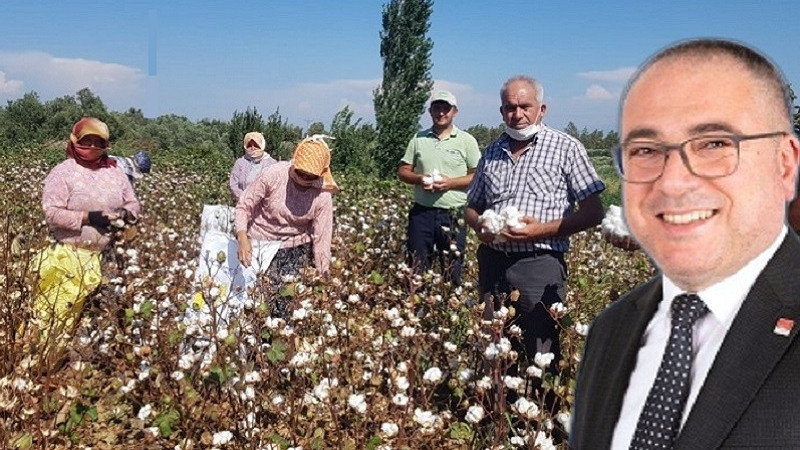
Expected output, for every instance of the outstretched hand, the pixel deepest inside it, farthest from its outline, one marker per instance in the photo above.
(529, 232)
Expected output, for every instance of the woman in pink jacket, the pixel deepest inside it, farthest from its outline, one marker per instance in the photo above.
(83, 197)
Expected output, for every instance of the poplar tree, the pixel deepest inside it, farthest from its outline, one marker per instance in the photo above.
(407, 83)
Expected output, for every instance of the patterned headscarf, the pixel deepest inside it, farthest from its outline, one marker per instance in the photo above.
(258, 138)
(313, 156)
(90, 157)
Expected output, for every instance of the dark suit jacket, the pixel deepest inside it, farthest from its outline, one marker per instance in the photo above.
(751, 397)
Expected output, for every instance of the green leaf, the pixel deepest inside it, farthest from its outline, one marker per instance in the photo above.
(318, 441)
(278, 439)
(287, 290)
(375, 278)
(92, 412)
(146, 309)
(277, 351)
(76, 413)
(374, 442)
(461, 431)
(166, 421)
(217, 375)
(24, 442)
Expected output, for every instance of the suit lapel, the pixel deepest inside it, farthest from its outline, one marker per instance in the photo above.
(749, 352)
(614, 366)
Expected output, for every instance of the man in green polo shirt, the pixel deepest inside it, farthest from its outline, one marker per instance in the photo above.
(439, 162)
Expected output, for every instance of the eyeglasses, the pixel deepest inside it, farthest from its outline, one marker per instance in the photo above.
(93, 141)
(708, 156)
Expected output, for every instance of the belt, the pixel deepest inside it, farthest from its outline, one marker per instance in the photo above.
(530, 253)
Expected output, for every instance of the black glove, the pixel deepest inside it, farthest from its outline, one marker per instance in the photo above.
(98, 220)
(126, 216)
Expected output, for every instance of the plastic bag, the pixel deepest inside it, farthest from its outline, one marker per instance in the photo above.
(66, 276)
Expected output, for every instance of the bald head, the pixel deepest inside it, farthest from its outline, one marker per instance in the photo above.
(774, 89)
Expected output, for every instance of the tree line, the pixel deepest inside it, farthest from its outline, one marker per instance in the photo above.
(28, 122)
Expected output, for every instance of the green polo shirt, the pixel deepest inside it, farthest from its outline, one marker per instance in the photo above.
(453, 156)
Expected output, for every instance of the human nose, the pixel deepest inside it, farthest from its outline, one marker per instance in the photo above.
(677, 172)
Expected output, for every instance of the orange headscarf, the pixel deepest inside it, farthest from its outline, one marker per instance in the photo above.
(87, 156)
(313, 156)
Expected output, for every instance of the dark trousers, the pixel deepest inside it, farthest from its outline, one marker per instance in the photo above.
(541, 278)
(436, 227)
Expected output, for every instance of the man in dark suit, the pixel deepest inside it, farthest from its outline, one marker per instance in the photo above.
(705, 355)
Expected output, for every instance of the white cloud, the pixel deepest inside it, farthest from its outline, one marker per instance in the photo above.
(318, 102)
(305, 103)
(597, 92)
(119, 86)
(10, 87)
(620, 75)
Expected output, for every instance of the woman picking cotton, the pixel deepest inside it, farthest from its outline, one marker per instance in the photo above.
(246, 169)
(82, 197)
(289, 202)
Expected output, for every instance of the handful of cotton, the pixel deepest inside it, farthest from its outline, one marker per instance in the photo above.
(615, 231)
(613, 223)
(434, 177)
(509, 217)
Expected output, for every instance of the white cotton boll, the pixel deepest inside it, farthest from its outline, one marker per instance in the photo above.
(407, 331)
(252, 377)
(436, 176)
(513, 383)
(432, 375)
(614, 222)
(484, 383)
(424, 418)
(391, 314)
(357, 402)
(427, 180)
(400, 399)
(512, 217)
(322, 390)
(389, 429)
(526, 408)
(145, 412)
(222, 438)
(474, 414)
(565, 419)
(543, 360)
(491, 221)
(299, 314)
(401, 383)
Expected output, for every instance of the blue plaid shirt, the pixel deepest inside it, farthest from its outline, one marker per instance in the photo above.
(547, 181)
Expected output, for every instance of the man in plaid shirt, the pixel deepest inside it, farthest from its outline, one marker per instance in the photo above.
(547, 176)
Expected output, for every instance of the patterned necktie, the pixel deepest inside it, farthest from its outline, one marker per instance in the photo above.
(661, 416)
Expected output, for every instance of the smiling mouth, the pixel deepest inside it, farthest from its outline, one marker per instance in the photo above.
(683, 219)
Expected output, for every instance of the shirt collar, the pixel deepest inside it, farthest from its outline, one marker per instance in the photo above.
(453, 132)
(726, 297)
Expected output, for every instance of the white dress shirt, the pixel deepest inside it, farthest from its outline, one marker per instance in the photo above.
(723, 300)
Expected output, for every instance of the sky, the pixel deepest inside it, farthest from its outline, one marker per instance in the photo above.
(309, 59)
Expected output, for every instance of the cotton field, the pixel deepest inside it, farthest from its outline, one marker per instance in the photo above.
(371, 357)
